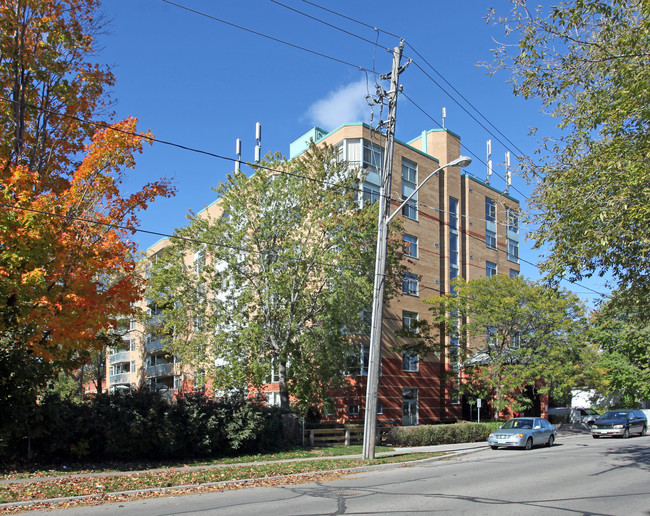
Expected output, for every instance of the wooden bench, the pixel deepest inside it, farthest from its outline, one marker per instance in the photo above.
(341, 436)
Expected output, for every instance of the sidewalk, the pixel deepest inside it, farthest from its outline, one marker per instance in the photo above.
(449, 450)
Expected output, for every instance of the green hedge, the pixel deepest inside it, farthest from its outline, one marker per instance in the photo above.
(429, 435)
(143, 426)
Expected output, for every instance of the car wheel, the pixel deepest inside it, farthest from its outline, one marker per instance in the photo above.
(626, 433)
(551, 440)
(529, 443)
(494, 447)
(595, 436)
(644, 431)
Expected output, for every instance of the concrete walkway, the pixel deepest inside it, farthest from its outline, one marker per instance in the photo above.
(449, 450)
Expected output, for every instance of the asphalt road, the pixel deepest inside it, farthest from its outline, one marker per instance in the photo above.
(579, 475)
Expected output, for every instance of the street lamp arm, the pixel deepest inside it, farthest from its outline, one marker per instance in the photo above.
(461, 161)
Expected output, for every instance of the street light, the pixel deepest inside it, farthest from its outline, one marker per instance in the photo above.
(374, 360)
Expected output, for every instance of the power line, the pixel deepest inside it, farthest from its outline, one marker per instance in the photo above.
(352, 19)
(151, 139)
(464, 98)
(272, 38)
(478, 158)
(510, 142)
(374, 43)
(165, 235)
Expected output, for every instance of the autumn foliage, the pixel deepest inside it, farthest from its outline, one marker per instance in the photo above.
(66, 258)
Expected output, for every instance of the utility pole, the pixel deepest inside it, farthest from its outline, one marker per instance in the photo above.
(374, 360)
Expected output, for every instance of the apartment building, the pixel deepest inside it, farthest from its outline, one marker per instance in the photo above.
(456, 225)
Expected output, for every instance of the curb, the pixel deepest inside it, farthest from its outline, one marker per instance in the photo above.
(359, 469)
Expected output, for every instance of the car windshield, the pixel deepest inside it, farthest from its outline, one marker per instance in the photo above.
(518, 423)
(591, 411)
(614, 414)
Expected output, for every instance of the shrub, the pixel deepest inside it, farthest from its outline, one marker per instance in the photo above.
(142, 425)
(429, 435)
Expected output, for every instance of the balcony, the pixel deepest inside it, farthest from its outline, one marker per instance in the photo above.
(115, 379)
(160, 370)
(154, 346)
(122, 356)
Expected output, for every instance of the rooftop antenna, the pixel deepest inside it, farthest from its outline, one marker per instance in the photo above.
(489, 161)
(444, 115)
(258, 138)
(238, 152)
(508, 172)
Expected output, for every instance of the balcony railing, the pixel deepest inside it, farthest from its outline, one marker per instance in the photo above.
(154, 346)
(160, 370)
(114, 379)
(122, 356)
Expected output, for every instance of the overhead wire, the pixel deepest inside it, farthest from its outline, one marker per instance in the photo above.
(160, 234)
(272, 38)
(315, 53)
(211, 154)
(509, 143)
(298, 11)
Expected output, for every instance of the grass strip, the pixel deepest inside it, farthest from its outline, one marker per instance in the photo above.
(77, 469)
(74, 486)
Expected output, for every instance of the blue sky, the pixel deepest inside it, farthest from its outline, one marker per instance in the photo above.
(201, 83)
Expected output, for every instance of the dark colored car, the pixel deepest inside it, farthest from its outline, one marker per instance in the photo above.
(621, 423)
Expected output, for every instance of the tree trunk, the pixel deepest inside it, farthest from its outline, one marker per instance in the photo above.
(284, 392)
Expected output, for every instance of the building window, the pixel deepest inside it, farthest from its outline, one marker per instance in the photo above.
(275, 373)
(353, 410)
(490, 269)
(131, 344)
(514, 273)
(454, 355)
(410, 245)
(340, 156)
(409, 321)
(490, 210)
(409, 407)
(453, 252)
(512, 219)
(380, 409)
(454, 390)
(453, 213)
(515, 341)
(513, 251)
(358, 362)
(491, 337)
(409, 184)
(370, 193)
(199, 261)
(410, 284)
(490, 239)
(272, 399)
(373, 156)
(409, 361)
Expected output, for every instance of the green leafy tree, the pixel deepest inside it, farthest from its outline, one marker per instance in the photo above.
(280, 280)
(622, 371)
(512, 335)
(586, 61)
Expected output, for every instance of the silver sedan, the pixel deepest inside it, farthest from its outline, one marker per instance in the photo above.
(523, 432)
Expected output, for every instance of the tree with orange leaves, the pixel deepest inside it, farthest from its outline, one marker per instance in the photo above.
(66, 262)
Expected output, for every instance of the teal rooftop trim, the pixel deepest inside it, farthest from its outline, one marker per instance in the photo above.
(321, 134)
(476, 179)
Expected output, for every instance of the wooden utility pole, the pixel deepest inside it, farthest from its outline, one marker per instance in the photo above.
(374, 361)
